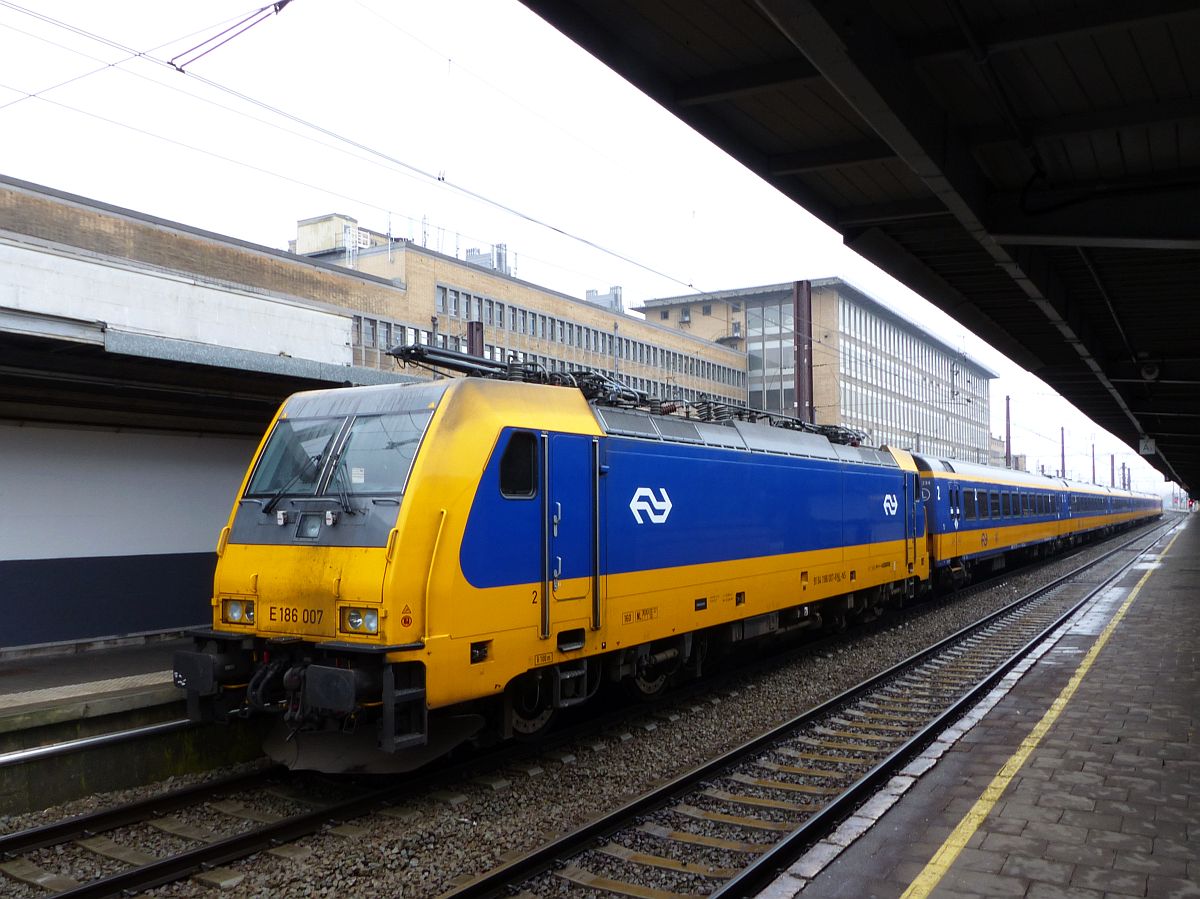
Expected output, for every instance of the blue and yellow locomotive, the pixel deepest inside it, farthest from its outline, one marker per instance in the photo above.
(408, 567)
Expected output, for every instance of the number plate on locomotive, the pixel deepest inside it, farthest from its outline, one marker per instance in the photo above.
(295, 619)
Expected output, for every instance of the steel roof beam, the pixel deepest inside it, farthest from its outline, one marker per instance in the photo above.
(1095, 18)
(851, 218)
(1100, 121)
(997, 38)
(1153, 216)
(848, 44)
(832, 157)
(731, 85)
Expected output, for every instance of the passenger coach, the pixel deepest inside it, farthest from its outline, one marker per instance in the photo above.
(979, 514)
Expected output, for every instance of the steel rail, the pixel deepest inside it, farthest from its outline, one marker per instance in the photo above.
(128, 813)
(756, 876)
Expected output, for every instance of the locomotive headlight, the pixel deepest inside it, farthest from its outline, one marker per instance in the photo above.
(359, 621)
(237, 611)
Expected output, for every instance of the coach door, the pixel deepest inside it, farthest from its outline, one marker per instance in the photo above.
(954, 516)
(912, 508)
(571, 535)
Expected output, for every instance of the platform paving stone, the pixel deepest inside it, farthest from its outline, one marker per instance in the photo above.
(983, 884)
(1109, 880)
(1080, 855)
(1054, 891)
(1151, 864)
(1172, 888)
(1036, 868)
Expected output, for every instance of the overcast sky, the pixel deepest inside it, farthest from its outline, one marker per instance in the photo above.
(459, 123)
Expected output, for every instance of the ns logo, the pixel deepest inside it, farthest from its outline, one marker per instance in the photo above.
(655, 508)
(890, 504)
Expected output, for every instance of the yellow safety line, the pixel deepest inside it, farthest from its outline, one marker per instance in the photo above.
(937, 867)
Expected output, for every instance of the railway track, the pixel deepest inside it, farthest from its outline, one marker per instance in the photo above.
(728, 827)
(694, 840)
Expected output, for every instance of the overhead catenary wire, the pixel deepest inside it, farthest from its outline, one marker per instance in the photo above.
(348, 141)
(131, 55)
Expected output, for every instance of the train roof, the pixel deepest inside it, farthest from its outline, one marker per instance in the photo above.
(735, 434)
(1009, 477)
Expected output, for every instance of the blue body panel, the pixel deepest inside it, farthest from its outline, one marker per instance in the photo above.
(724, 505)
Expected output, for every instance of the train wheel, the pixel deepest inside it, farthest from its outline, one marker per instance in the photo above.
(648, 685)
(530, 708)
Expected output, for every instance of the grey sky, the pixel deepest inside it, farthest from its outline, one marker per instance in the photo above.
(481, 94)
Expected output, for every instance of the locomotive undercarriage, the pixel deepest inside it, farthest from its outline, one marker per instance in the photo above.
(338, 708)
(345, 708)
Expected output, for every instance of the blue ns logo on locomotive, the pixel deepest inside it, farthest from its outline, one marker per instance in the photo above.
(655, 509)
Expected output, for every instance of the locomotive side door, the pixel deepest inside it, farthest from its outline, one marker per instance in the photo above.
(570, 545)
(912, 508)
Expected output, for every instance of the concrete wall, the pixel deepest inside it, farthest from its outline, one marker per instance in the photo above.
(104, 533)
(130, 298)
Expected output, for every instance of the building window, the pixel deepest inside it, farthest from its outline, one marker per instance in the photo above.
(441, 299)
(706, 309)
(664, 314)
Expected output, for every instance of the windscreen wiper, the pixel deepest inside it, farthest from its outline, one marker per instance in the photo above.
(278, 494)
(343, 489)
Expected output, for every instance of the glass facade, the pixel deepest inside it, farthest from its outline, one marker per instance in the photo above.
(888, 378)
(908, 391)
(771, 355)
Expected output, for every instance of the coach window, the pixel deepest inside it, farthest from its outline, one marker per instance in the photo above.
(1005, 505)
(518, 467)
(994, 503)
(983, 503)
(969, 504)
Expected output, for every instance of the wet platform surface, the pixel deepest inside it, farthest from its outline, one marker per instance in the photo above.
(50, 687)
(1081, 781)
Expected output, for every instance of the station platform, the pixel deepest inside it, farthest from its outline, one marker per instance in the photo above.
(1077, 778)
(62, 684)
(80, 720)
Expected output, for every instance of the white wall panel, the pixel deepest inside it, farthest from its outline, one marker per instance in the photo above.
(74, 492)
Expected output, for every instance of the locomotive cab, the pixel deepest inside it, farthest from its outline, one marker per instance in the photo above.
(300, 628)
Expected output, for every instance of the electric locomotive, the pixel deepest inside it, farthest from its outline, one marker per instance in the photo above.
(408, 567)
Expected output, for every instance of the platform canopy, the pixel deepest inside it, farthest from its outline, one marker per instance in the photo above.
(1032, 168)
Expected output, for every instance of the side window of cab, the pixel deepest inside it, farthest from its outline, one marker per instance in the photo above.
(518, 467)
